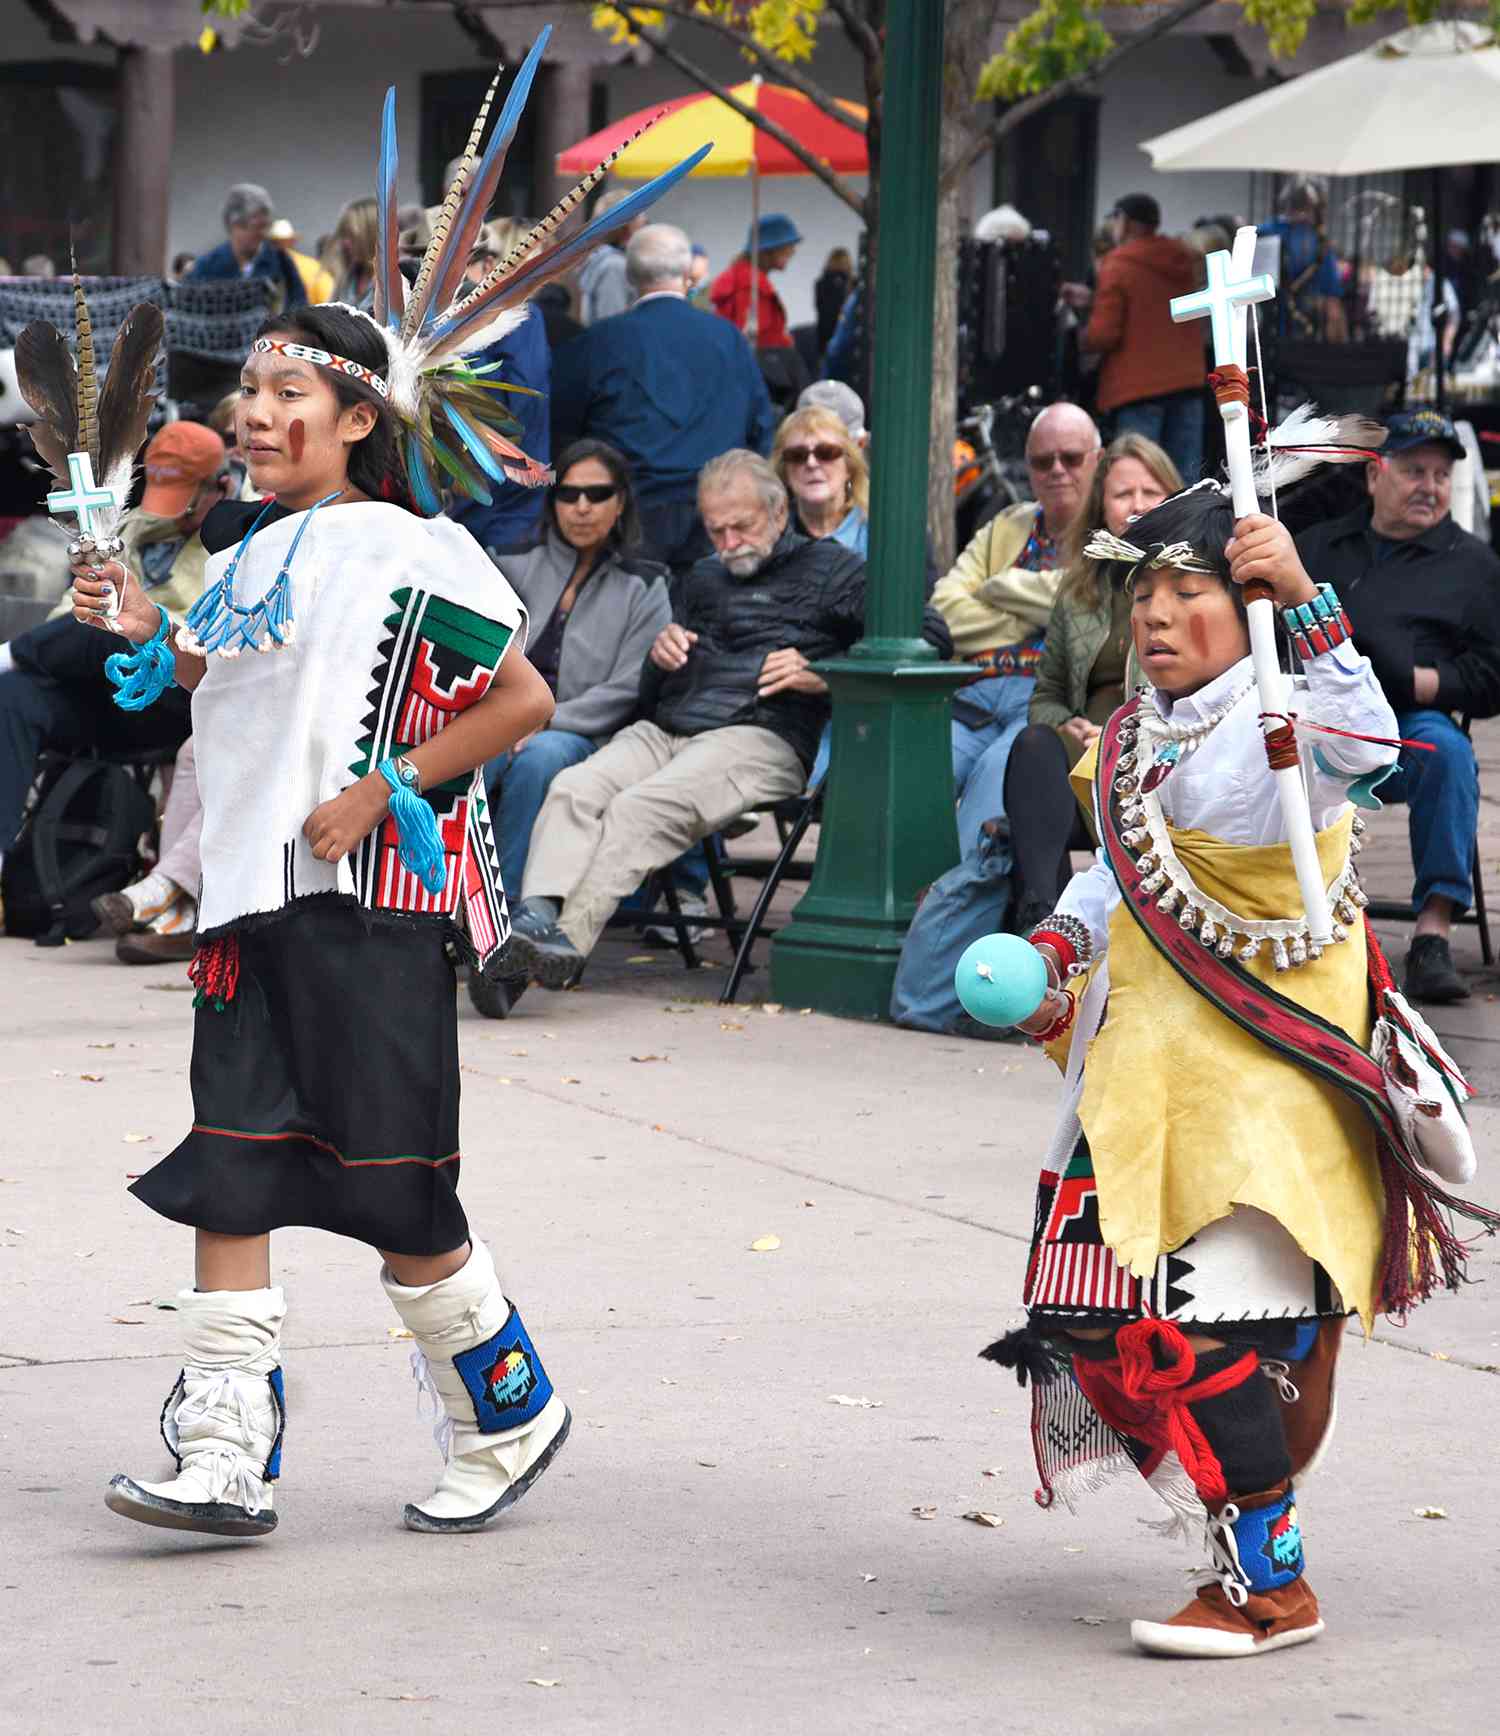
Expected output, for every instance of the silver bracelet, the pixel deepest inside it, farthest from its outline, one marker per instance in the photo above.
(407, 773)
(1076, 933)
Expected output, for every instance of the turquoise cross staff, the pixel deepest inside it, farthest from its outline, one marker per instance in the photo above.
(1232, 290)
(82, 499)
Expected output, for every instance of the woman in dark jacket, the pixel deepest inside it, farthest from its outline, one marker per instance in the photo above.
(594, 609)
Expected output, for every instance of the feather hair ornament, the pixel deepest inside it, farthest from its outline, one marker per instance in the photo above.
(75, 415)
(1304, 440)
(456, 431)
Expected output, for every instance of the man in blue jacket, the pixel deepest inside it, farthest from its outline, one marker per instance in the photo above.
(667, 384)
(248, 252)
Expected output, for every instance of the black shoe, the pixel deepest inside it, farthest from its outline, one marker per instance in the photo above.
(533, 916)
(494, 995)
(1430, 973)
(543, 953)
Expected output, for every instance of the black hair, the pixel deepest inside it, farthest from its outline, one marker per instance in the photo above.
(626, 529)
(375, 463)
(1201, 517)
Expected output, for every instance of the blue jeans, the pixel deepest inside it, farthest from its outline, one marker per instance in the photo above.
(987, 717)
(1441, 791)
(518, 785)
(1175, 423)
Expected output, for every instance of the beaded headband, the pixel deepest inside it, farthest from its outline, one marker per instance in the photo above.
(325, 359)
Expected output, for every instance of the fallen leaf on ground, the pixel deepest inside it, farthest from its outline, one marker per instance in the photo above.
(709, 1464)
(171, 988)
(857, 1403)
(571, 1079)
(122, 1320)
(397, 1332)
(11, 1230)
(1072, 1549)
(924, 1512)
(550, 1036)
(1430, 1512)
(992, 1471)
(765, 1244)
(772, 1008)
(868, 1578)
(544, 1681)
(1441, 1356)
(667, 1380)
(729, 1025)
(520, 1054)
(991, 1519)
(504, 1080)
(100, 1045)
(809, 1202)
(92, 1078)
(1090, 1620)
(648, 1057)
(167, 1304)
(642, 958)
(136, 1138)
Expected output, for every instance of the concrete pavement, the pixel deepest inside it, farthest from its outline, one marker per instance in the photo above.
(722, 1547)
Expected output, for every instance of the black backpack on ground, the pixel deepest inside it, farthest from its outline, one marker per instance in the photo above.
(80, 838)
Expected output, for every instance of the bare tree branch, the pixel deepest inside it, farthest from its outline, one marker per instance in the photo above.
(1028, 106)
(835, 183)
(856, 22)
(783, 72)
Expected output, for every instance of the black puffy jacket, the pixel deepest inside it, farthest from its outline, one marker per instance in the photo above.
(809, 596)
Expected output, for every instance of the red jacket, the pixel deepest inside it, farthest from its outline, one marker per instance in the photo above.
(1145, 354)
(730, 295)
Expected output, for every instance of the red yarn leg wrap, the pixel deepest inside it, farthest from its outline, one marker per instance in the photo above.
(1136, 1397)
(215, 971)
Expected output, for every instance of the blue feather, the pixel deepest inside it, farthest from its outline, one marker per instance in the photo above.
(516, 287)
(390, 285)
(422, 488)
(483, 457)
(449, 269)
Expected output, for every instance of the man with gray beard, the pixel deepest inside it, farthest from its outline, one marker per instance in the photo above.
(732, 714)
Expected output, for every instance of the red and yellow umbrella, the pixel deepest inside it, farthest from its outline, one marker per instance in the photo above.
(739, 147)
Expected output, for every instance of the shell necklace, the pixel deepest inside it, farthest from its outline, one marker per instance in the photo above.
(1144, 831)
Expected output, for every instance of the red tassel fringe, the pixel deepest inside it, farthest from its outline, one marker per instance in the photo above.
(215, 972)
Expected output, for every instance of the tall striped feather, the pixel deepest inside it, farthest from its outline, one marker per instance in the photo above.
(448, 274)
(450, 330)
(421, 290)
(88, 378)
(390, 285)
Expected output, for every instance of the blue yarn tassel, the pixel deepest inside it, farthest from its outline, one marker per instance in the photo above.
(140, 677)
(419, 842)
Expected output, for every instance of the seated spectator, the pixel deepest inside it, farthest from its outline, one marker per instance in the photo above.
(823, 469)
(53, 693)
(595, 610)
(154, 918)
(315, 280)
(248, 252)
(997, 601)
(668, 386)
(356, 236)
(1423, 598)
(1080, 681)
(514, 514)
(604, 286)
(732, 715)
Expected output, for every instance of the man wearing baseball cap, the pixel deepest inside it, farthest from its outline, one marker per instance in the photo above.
(1423, 598)
(1152, 373)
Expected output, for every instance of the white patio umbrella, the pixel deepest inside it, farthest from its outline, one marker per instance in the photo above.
(1426, 97)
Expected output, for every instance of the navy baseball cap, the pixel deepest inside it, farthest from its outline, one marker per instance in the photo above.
(1409, 428)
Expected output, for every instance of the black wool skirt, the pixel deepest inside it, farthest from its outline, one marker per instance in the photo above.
(326, 1091)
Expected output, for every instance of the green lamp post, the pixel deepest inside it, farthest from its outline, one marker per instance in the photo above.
(888, 822)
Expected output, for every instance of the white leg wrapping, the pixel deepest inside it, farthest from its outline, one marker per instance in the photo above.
(222, 1420)
(485, 1470)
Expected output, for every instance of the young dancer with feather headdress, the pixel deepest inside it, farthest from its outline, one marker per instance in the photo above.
(1252, 1123)
(346, 840)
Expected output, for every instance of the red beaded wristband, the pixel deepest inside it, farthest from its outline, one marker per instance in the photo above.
(1067, 954)
(1061, 1024)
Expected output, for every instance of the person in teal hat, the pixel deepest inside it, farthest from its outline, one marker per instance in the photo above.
(773, 240)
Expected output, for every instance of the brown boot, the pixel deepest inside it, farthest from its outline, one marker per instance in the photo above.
(153, 948)
(1212, 1627)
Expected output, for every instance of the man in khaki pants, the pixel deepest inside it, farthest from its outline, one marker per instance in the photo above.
(732, 717)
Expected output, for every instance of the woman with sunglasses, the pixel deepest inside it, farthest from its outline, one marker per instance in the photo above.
(594, 609)
(827, 476)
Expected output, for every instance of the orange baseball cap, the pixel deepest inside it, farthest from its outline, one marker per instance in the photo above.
(178, 458)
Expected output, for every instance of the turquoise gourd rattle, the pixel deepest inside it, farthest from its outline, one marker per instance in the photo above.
(1001, 979)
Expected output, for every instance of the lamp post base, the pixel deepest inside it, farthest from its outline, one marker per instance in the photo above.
(888, 830)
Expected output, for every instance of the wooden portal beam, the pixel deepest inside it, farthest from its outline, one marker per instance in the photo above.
(146, 121)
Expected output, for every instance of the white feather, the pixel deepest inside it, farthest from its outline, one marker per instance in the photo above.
(500, 326)
(1338, 439)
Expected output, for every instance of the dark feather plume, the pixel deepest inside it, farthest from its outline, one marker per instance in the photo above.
(125, 403)
(48, 378)
(1029, 1354)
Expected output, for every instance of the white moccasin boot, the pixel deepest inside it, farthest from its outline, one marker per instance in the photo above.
(499, 1423)
(222, 1421)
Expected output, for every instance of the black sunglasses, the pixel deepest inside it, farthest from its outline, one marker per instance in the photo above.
(596, 493)
(797, 456)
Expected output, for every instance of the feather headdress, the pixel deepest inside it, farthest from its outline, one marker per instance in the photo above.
(456, 429)
(74, 413)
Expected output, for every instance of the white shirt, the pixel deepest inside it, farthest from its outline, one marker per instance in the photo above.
(1224, 785)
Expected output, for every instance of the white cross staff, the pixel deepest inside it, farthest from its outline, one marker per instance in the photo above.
(82, 500)
(1232, 290)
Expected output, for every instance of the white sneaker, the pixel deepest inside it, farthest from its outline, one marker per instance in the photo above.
(692, 905)
(498, 1422)
(179, 917)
